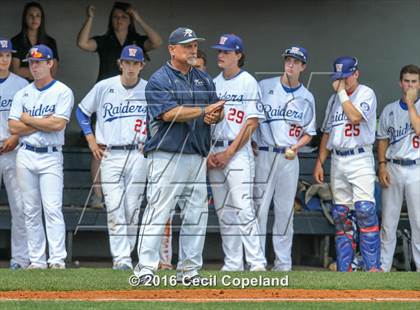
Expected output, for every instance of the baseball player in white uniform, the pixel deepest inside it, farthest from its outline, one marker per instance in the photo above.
(39, 115)
(399, 165)
(9, 84)
(349, 133)
(277, 172)
(120, 105)
(231, 162)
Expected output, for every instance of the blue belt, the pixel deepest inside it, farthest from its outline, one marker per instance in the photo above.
(359, 150)
(42, 149)
(404, 162)
(128, 147)
(274, 149)
(221, 143)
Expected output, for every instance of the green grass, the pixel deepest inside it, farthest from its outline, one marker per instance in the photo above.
(45, 305)
(107, 279)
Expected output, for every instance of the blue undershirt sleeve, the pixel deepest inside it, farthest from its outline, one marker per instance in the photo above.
(84, 121)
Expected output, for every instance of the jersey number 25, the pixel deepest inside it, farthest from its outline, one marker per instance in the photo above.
(352, 130)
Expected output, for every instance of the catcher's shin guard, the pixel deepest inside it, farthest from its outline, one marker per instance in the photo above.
(370, 245)
(344, 242)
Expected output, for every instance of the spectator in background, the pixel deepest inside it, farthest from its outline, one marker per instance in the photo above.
(32, 33)
(121, 32)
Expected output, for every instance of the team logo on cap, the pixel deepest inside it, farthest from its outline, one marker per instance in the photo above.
(132, 52)
(188, 33)
(3, 43)
(295, 50)
(35, 53)
(338, 67)
(222, 40)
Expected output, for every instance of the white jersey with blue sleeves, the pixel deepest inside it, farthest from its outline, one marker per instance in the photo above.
(277, 129)
(8, 89)
(55, 99)
(395, 125)
(121, 112)
(342, 133)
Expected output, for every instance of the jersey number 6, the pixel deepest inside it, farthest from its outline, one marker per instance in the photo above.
(416, 142)
(352, 130)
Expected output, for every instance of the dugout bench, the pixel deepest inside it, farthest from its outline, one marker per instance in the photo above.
(77, 187)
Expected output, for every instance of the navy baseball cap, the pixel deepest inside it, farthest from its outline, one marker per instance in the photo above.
(183, 35)
(230, 42)
(297, 52)
(132, 53)
(344, 67)
(39, 52)
(6, 46)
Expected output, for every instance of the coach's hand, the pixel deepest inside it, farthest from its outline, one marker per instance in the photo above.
(212, 118)
(9, 144)
(318, 173)
(383, 175)
(214, 107)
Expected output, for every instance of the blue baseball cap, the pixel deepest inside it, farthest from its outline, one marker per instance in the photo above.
(183, 35)
(6, 46)
(344, 67)
(39, 52)
(132, 53)
(230, 42)
(297, 52)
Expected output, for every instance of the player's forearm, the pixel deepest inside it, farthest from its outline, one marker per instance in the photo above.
(20, 128)
(381, 151)
(323, 151)
(48, 124)
(182, 114)
(351, 112)
(243, 136)
(305, 139)
(414, 119)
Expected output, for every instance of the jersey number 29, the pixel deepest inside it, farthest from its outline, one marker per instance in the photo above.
(235, 115)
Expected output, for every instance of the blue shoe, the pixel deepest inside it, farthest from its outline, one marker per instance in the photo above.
(122, 267)
(16, 266)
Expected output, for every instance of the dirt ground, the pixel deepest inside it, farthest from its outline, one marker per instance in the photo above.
(209, 295)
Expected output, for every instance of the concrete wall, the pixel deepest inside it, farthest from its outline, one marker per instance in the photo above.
(384, 35)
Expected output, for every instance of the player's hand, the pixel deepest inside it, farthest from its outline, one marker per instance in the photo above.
(97, 151)
(211, 118)
(338, 85)
(254, 146)
(383, 176)
(215, 107)
(211, 162)
(318, 173)
(9, 144)
(411, 95)
(222, 159)
(90, 11)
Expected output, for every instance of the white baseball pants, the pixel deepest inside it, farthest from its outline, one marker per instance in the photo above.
(18, 233)
(232, 189)
(173, 177)
(276, 180)
(40, 179)
(123, 176)
(405, 182)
